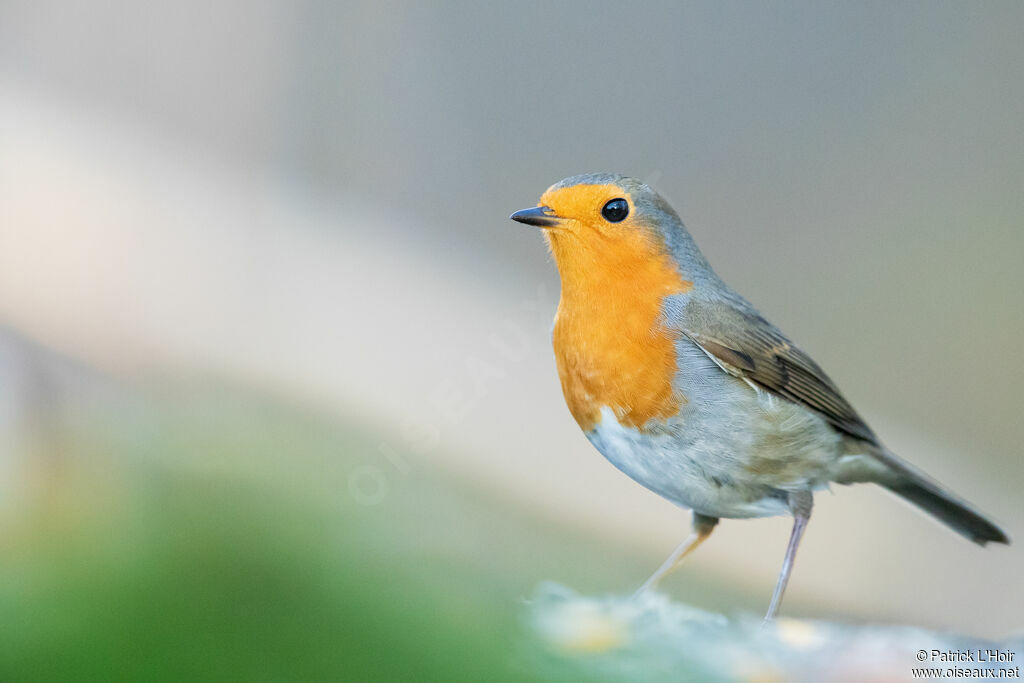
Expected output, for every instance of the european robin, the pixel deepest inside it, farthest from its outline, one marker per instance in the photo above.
(680, 383)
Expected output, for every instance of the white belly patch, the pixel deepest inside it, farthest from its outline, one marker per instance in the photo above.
(709, 463)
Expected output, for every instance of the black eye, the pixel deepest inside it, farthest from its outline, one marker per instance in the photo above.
(615, 210)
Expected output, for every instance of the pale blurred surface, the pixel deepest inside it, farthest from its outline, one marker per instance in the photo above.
(651, 637)
(308, 201)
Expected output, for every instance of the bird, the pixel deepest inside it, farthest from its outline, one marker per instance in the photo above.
(685, 387)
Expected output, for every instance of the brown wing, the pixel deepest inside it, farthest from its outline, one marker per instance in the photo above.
(748, 346)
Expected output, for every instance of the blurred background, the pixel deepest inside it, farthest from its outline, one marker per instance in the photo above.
(277, 397)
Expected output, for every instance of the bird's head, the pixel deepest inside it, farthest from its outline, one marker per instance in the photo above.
(602, 226)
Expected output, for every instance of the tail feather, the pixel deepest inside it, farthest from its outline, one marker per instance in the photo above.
(927, 494)
(951, 512)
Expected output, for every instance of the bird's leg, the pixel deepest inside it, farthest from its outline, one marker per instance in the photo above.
(800, 503)
(702, 528)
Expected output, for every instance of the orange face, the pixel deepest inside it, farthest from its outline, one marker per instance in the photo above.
(583, 203)
(611, 348)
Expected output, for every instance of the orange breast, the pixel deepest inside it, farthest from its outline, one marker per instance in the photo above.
(610, 347)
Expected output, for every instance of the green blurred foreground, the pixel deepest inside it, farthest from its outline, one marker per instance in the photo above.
(194, 550)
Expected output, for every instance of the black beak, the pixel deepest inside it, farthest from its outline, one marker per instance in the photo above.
(540, 216)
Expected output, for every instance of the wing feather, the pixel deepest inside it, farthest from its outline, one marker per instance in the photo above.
(748, 346)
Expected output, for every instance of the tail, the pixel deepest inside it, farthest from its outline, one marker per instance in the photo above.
(924, 492)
